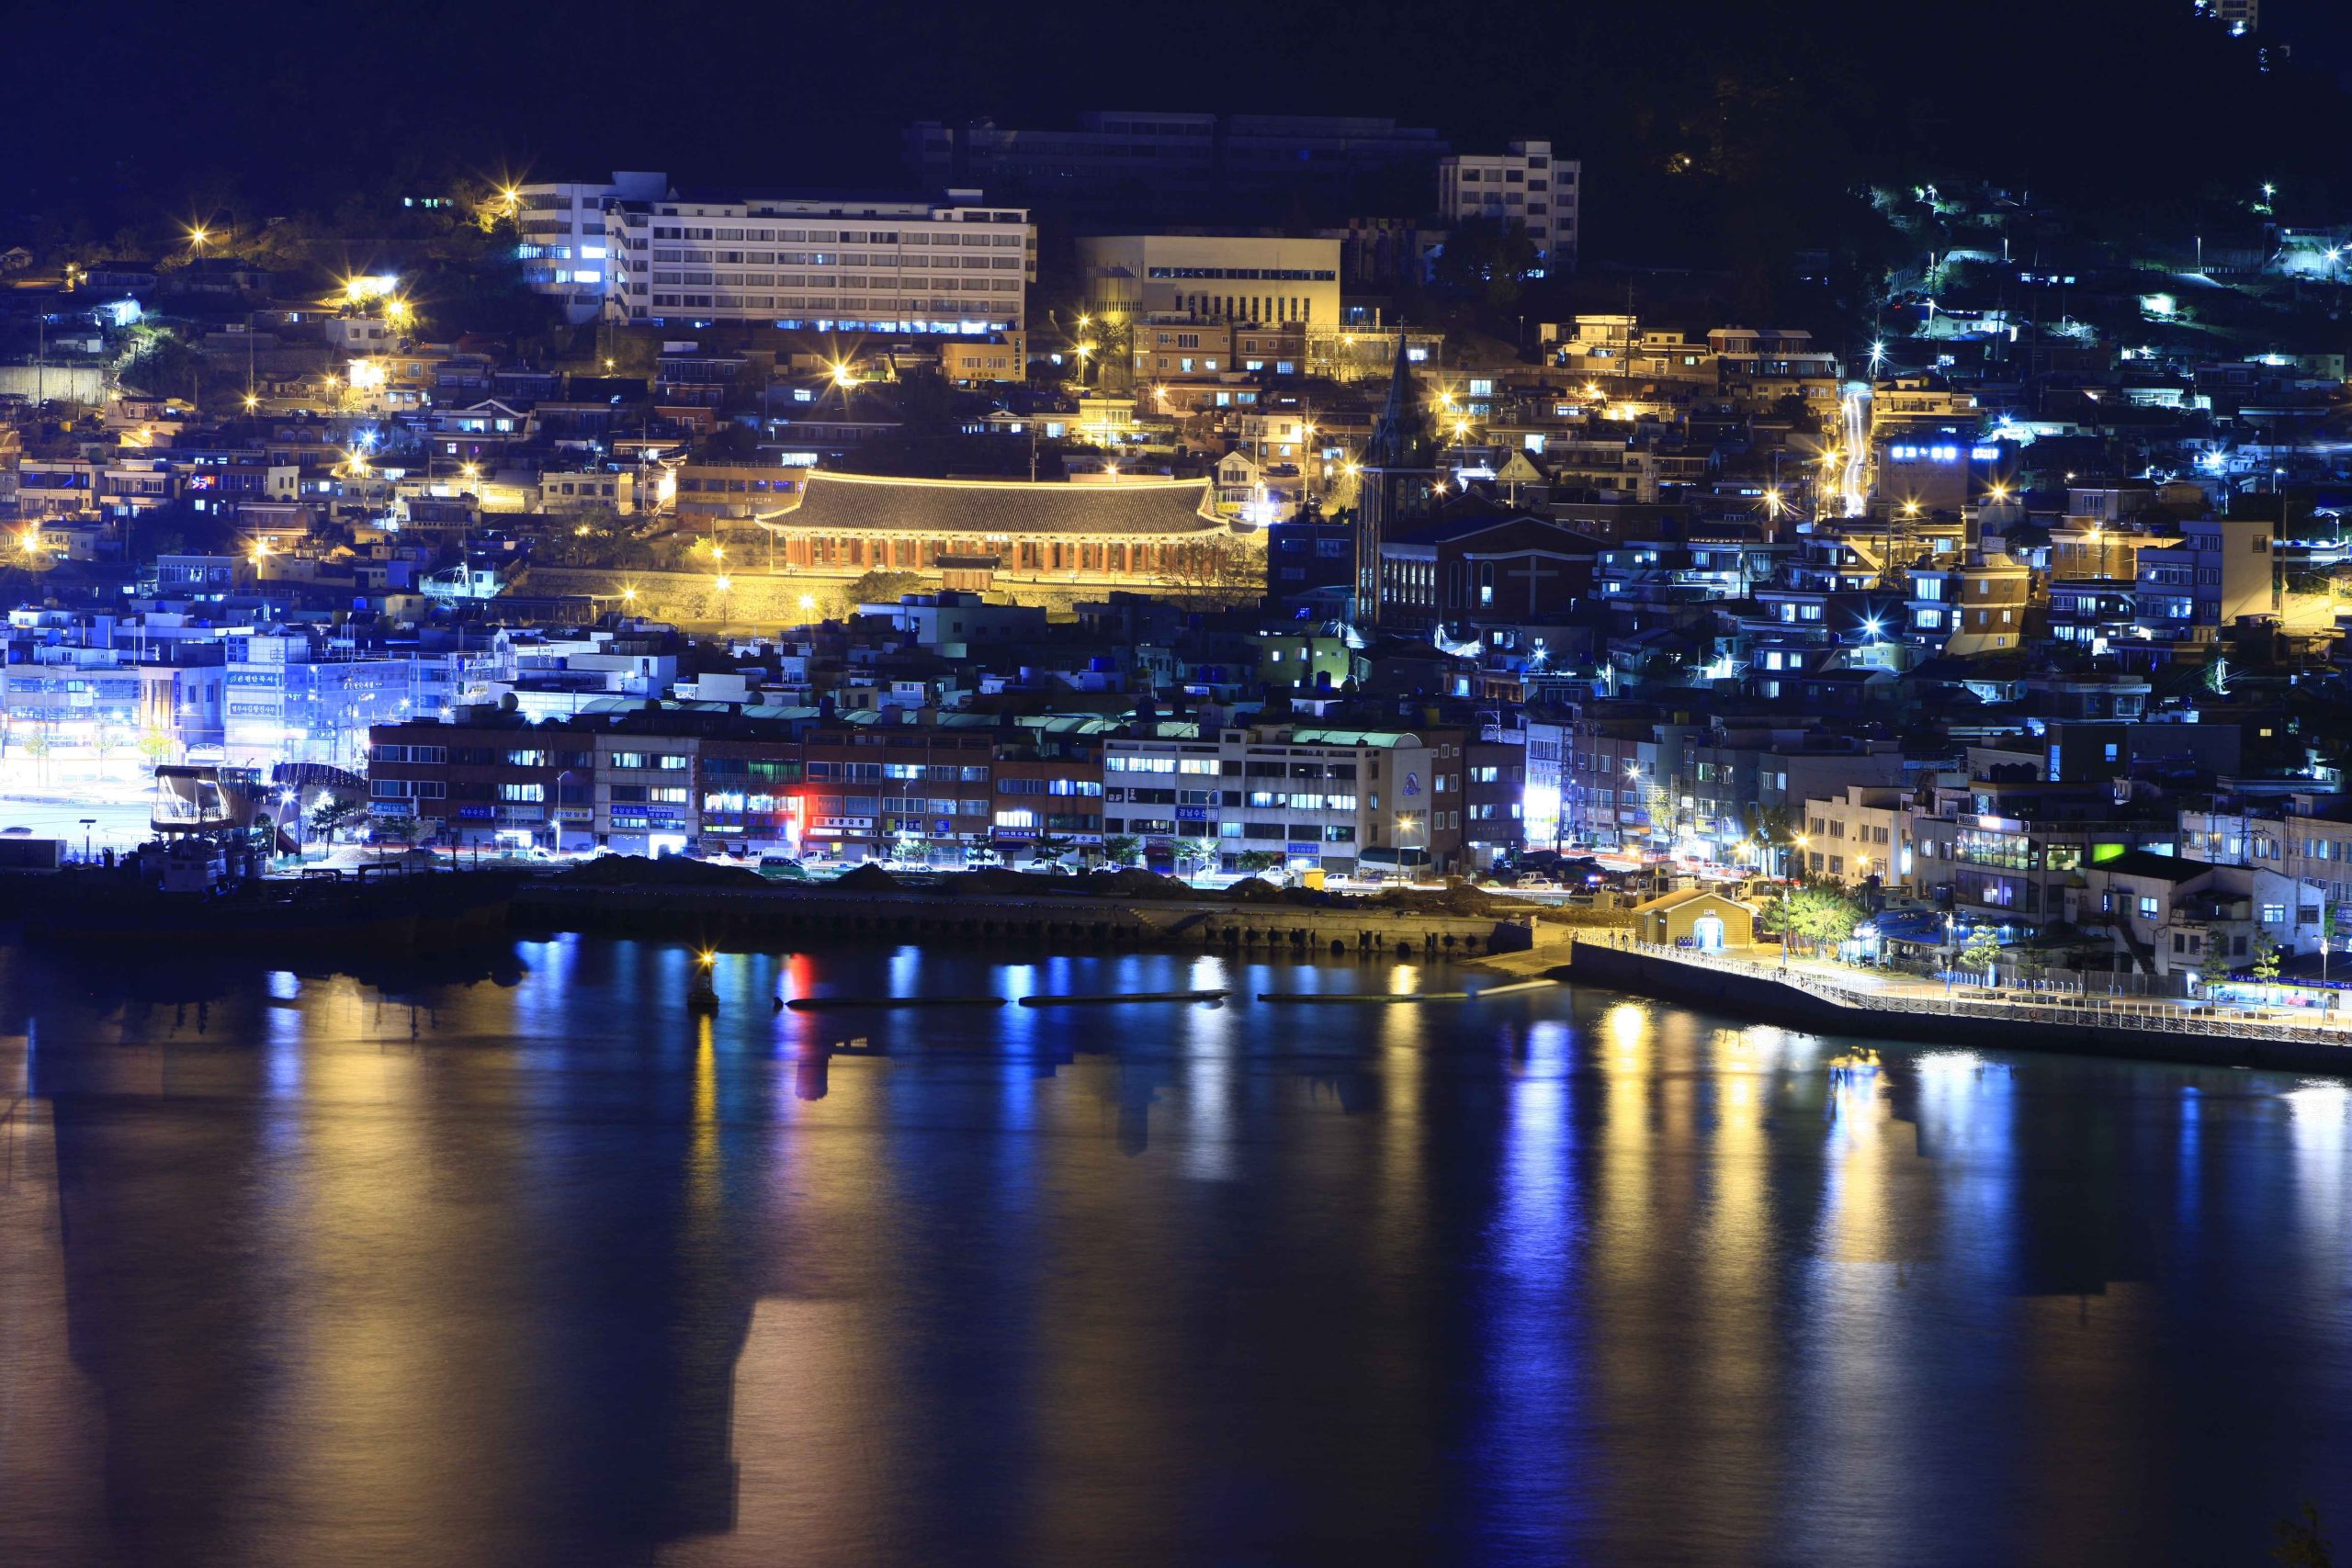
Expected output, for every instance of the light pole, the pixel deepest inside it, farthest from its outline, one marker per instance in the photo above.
(1951, 956)
(87, 823)
(1787, 881)
(286, 801)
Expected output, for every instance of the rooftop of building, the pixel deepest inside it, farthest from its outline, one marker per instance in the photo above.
(864, 504)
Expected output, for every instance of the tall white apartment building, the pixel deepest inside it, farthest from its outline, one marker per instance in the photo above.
(955, 266)
(1526, 185)
(564, 248)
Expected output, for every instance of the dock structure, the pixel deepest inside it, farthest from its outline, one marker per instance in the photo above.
(1074, 921)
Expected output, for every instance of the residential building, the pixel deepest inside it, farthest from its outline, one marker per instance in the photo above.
(1525, 186)
(953, 266)
(1380, 802)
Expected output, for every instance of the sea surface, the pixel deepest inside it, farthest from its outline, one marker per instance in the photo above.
(529, 1264)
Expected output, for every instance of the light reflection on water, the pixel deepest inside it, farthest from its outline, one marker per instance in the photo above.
(537, 1266)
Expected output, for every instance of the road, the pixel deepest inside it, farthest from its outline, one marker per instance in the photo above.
(1854, 493)
(120, 824)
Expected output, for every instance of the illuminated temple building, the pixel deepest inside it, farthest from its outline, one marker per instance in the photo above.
(1008, 535)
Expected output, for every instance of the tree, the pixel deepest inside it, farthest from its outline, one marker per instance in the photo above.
(1222, 567)
(2327, 937)
(2265, 961)
(401, 830)
(1255, 861)
(1051, 847)
(1981, 950)
(1197, 854)
(884, 587)
(1814, 916)
(1123, 849)
(155, 747)
(1486, 258)
(2301, 1545)
(330, 813)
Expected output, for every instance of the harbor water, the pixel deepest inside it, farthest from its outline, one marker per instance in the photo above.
(529, 1262)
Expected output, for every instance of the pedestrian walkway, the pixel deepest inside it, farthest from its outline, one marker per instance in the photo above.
(1883, 991)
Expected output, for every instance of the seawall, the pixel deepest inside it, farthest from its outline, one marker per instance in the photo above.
(1988, 1027)
(799, 912)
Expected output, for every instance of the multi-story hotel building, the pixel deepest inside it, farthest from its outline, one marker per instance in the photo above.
(955, 266)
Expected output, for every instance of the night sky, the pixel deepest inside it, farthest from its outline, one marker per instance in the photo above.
(282, 103)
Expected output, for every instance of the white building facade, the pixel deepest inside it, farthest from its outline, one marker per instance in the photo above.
(637, 252)
(1526, 185)
(1214, 277)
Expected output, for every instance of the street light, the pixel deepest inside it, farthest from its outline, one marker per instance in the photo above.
(1787, 881)
(87, 823)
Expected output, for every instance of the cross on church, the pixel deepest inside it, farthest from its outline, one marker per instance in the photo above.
(1535, 572)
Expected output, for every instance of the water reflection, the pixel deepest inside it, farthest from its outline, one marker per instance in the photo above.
(525, 1261)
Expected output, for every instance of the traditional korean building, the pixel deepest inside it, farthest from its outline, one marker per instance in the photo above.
(1005, 536)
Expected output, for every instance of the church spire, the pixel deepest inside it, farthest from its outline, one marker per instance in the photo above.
(1396, 439)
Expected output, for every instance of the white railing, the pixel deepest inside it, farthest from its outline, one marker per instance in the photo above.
(2089, 1012)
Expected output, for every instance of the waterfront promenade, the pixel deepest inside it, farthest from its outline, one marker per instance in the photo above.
(1814, 995)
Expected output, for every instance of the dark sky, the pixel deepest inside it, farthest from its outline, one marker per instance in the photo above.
(293, 103)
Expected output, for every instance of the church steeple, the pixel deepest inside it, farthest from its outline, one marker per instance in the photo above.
(1397, 437)
(1393, 486)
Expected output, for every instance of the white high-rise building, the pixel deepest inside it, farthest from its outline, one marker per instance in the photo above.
(564, 252)
(1526, 185)
(955, 266)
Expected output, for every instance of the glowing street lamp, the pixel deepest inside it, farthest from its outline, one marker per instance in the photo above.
(843, 376)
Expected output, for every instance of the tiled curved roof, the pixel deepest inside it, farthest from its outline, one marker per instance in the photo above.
(861, 503)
